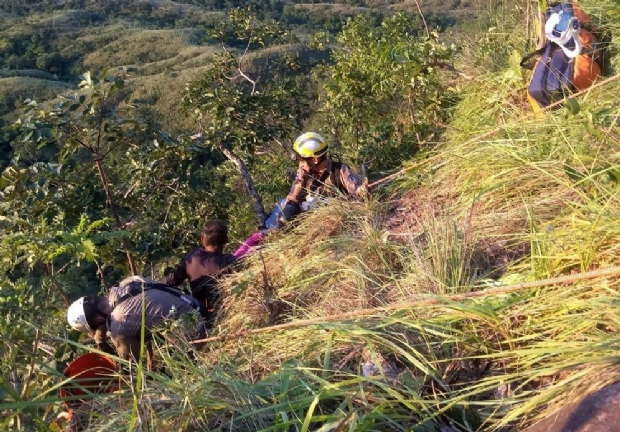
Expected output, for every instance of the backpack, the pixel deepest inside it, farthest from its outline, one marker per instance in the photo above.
(136, 289)
(571, 60)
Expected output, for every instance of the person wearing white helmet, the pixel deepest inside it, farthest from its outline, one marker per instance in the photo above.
(318, 174)
(119, 315)
(88, 315)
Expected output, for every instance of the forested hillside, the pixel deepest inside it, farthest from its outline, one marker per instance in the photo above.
(157, 49)
(57, 40)
(474, 288)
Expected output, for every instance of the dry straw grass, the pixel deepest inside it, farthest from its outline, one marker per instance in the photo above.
(334, 260)
(162, 95)
(537, 199)
(15, 90)
(541, 194)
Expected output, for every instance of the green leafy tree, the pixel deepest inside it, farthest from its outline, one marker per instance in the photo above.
(87, 125)
(154, 189)
(382, 94)
(245, 103)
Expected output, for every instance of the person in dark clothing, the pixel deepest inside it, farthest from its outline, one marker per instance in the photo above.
(317, 174)
(120, 314)
(202, 266)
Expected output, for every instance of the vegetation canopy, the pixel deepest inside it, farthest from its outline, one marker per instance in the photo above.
(474, 289)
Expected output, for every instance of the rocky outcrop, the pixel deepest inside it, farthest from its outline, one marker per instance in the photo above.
(599, 412)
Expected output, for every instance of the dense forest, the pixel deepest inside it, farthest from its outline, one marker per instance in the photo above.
(474, 288)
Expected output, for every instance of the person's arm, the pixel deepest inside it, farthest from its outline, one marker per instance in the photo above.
(353, 183)
(179, 274)
(127, 346)
(295, 197)
(298, 190)
(249, 244)
(101, 339)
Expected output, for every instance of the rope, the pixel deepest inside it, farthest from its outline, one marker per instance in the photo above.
(610, 271)
(491, 132)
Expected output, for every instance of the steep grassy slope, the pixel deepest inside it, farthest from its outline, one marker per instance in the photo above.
(530, 199)
(478, 291)
(15, 90)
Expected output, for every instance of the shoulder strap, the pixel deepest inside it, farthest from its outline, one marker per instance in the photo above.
(320, 181)
(135, 290)
(336, 167)
(324, 176)
(525, 61)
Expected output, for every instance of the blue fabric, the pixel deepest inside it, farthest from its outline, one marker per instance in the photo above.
(272, 220)
(553, 73)
(567, 13)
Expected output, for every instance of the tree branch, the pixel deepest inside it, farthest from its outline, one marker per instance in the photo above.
(110, 200)
(100, 119)
(239, 64)
(428, 34)
(88, 146)
(257, 202)
(451, 69)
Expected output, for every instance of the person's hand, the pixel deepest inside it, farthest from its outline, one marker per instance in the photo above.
(310, 203)
(363, 190)
(249, 243)
(266, 231)
(106, 348)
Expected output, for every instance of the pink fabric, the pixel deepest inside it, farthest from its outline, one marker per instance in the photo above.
(249, 244)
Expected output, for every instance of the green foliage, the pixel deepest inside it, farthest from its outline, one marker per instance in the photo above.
(242, 110)
(153, 190)
(22, 376)
(383, 97)
(244, 107)
(93, 181)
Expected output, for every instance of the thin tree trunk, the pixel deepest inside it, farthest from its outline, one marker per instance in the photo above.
(257, 202)
(48, 270)
(110, 201)
(428, 33)
(528, 18)
(542, 8)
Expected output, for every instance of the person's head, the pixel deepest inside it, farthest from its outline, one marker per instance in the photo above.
(311, 148)
(215, 235)
(88, 313)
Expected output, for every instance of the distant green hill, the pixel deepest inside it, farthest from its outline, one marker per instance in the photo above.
(164, 41)
(25, 85)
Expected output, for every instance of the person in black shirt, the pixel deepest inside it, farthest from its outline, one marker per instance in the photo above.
(202, 266)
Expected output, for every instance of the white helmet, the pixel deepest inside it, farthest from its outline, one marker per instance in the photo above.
(77, 317)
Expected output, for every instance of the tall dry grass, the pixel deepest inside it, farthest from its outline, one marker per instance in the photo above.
(534, 200)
